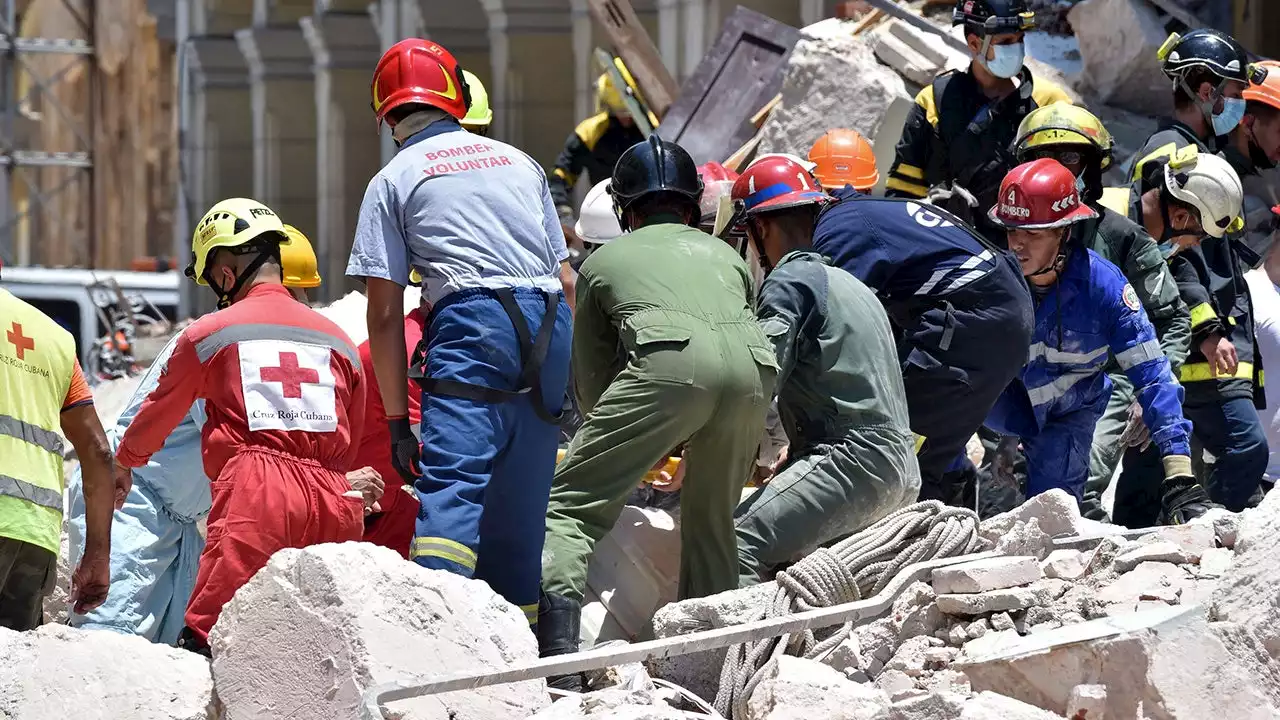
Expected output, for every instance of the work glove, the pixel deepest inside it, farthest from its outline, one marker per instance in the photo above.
(1136, 434)
(404, 449)
(1183, 500)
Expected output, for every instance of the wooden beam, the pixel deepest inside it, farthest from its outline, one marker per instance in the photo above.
(632, 43)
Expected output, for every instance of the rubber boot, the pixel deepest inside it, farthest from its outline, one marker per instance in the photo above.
(559, 620)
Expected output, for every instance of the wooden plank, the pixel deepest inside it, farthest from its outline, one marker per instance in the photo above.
(763, 113)
(740, 73)
(908, 16)
(632, 43)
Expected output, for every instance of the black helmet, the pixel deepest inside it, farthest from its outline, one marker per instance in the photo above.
(993, 17)
(1206, 49)
(655, 166)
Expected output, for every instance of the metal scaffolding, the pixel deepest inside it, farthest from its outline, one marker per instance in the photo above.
(23, 155)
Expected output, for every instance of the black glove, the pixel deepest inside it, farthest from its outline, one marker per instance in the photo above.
(1182, 500)
(404, 449)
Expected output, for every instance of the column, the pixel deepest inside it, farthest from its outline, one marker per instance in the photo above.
(536, 75)
(346, 48)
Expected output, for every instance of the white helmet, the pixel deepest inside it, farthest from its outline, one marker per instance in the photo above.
(597, 223)
(1210, 185)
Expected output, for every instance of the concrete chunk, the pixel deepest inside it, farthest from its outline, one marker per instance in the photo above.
(1055, 511)
(990, 706)
(1226, 525)
(316, 627)
(1249, 591)
(932, 706)
(1153, 552)
(993, 601)
(1192, 539)
(1215, 562)
(57, 672)
(1065, 564)
(610, 704)
(1088, 701)
(982, 575)
(1118, 43)
(1131, 586)
(900, 56)
(796, 689)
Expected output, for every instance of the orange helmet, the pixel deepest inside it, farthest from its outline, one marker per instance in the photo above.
(422, 72)
(1264, 83)
(844, 157)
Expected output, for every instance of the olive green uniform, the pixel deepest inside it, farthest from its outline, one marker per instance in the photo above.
(666, 350)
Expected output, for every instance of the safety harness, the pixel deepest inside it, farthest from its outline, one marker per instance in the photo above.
(533, 354)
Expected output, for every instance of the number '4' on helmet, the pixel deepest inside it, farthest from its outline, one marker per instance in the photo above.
(419, 72)
(1037, 195)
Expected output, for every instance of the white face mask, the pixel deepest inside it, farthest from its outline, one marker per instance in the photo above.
(1007, 61)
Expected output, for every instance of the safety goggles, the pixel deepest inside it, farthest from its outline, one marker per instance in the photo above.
(1066, 157)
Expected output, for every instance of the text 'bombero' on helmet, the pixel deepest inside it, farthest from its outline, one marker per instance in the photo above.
(1210, 185)
(1038, 195)
(419, 72)
(597, 222)
(655, 166)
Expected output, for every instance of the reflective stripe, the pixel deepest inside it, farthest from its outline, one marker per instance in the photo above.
(530, 613)
(38, 436)
(910, 171)
(968, 264)
(1199, 372)
(1058, 388)
(233, 334)
(1116, 199)
(13, 487)
(1138, 354)
(445, 549)
(1202, 313)
(894, 183)
(919, 442)
(1064, 357)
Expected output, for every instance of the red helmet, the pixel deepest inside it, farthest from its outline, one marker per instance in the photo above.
(775, 183)
(717, 182)
(1039, 194)
(422, 72)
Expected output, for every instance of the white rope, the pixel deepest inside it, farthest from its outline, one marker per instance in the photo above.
(858, 566)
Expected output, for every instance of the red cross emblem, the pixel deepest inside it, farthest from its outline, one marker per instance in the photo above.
(289, 374)
(21, 343)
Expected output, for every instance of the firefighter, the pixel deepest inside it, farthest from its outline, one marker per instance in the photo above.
(1252, 149)
(959, 131)
(1085, 311)
(1210, 71)
(597, 143)
(155, 542)
(961, 314)
(851, 456)
(697, 370)
(1077, 139)
(283, 397)
(844, 157)
(474, 218)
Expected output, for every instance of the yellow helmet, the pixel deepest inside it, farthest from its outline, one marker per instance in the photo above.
(231, 223)
(298, 262)
(479, 115)
(609, 97)
(1063, 124)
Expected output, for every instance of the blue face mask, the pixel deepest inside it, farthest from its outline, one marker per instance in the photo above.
(1227, 120)
(1007, 61)
(1168, 249)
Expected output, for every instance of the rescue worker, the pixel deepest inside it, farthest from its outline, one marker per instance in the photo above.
(284, 397)
(1077, 139)
(698, 370)
(851, 455)
(1252, 149)
(843, 157)
(961, 314)
(1210, 71)
(959, 131)
(474, 218)
(42, 391)
(479, 115)
(156, 544)
(596, 144)
(1264, 290)
(1085, 310)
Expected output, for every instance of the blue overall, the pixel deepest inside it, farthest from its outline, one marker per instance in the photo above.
(960, 311)
(155, 544)
(1090, 314)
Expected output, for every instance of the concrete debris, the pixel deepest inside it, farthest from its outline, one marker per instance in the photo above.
(1144, 579)
(1192, 539)
(911, 656)
(611, 704)
(1104, 556)
(958, 634)
(796, 689)
(1001, 622)
(915, 613)
(831, 82)
(1153, 552)
(993, 601)
(893, 682)
(846, 658)
(1249, 591)
(1119, 40)
(58, 672)
(1055, 511)
(978, 628)
(362, 616)
(110, 398)
(983, 575)
(900, 56)
(700, 672)
(632, 676)
(930, 706)
(635, 569)
(948, 681)
(1226, 525)
(1087, 702)
(1215, 562)
(1065, 564)
(991, 706)
(1025, 538)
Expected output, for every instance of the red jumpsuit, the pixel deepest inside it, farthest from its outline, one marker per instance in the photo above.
(393, 527)
(283, 391)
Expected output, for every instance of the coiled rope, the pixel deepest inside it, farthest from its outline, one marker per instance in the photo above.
(858, 566)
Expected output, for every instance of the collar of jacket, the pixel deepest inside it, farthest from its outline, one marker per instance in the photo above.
(1185, 130)
(1074, 279)
(438, 127)
(806, 254)
(1241, 163)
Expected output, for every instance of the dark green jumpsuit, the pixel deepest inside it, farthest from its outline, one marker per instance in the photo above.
(666, 350)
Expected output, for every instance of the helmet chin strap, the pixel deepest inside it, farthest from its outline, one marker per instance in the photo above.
(758, 247)
(1206, 109)
(1059, 261)
(1170, 232)
(225, 298)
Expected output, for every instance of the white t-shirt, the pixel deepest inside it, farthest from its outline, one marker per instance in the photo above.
(465, 211)
(1266, 317)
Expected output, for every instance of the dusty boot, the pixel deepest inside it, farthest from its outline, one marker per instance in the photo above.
(187, 640)
(1183, 500)
(558, 626)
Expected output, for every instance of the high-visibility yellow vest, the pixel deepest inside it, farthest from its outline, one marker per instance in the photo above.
(1117, 199)
(37, 360)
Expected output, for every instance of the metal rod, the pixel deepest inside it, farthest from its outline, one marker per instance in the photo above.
(666, 647)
